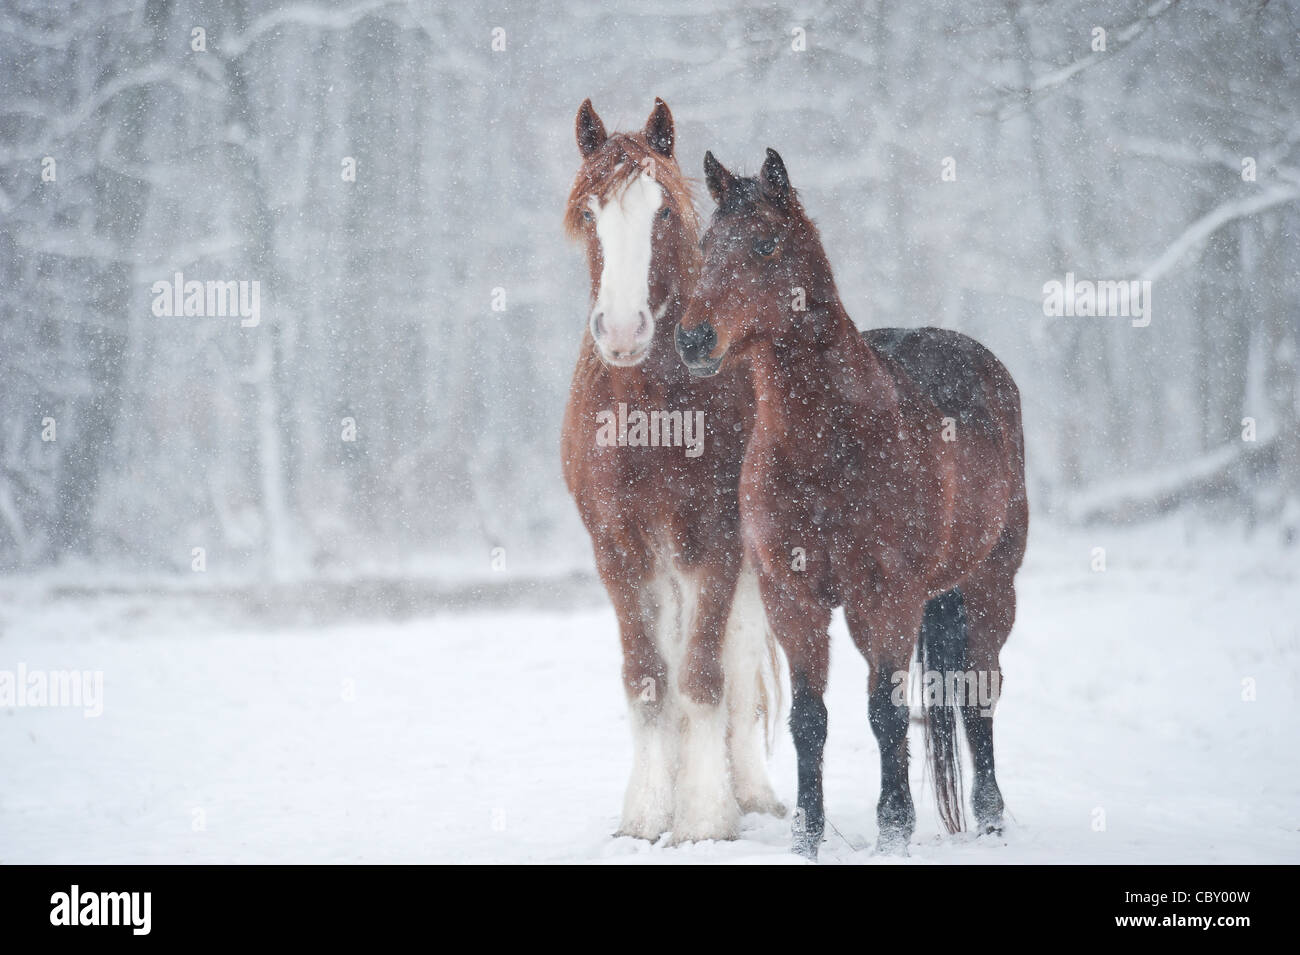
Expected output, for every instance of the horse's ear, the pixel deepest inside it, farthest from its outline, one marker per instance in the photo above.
(774, 180)
(591, 131)
(659, 129)
(716, 177)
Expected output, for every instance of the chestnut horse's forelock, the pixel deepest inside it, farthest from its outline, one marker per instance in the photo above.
(611, 168)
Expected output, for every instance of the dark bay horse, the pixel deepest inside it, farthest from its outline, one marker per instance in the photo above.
(652, 458)
(885, 474)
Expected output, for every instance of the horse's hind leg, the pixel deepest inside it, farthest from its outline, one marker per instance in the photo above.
(885, 631)
(990, 598)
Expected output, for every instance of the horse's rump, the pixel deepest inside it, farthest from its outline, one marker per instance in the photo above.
(965, 381)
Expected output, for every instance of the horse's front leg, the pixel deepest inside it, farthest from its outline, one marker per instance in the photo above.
(648, 802)
(706, 806)
(800, 624)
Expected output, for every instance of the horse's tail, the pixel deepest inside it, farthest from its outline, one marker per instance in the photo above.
(771, 697)
(942, 650)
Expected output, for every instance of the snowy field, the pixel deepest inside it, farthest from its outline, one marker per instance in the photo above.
(501, 736)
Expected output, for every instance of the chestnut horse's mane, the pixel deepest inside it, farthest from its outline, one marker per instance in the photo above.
(620, 160)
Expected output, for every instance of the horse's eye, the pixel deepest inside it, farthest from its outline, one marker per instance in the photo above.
(665, 212)
(586, 214)
(765, 246)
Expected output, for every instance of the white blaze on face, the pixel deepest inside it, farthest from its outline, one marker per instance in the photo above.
(621, 321)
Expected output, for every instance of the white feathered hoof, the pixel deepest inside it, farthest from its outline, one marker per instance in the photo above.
(648, 828)
(749, 770)
(763, 801)
(648, 803)
(706, 819)
(647, 810)
(705, 806)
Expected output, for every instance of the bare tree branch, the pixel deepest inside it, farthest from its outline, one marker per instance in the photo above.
(1214, 154)
(1122, 39)
(302, 14)
(1052, 81)
(1212, 221)
(66, 123)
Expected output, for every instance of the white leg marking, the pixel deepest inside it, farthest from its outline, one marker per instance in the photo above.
(648, 804)
(753, 683)
(656, 725)
(693, 760)
(706, 807)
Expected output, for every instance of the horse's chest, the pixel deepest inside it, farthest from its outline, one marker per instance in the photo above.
(679, 484)
(836, 505)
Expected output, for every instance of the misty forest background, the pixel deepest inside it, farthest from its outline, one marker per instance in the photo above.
(175, 433)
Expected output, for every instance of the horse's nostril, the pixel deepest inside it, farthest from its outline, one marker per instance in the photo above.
(643, 324)
(598, 324)
(696, 342)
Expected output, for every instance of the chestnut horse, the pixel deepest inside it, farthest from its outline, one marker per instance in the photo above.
(652, 458)
(885, 474)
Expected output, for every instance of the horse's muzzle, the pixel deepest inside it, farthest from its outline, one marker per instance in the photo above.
(695, 345)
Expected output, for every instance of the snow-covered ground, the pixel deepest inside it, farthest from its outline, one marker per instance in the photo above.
(502, 736)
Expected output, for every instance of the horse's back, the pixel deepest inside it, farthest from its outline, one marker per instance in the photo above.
(956, 372)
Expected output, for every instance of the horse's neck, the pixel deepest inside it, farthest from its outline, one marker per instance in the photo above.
(836, 385)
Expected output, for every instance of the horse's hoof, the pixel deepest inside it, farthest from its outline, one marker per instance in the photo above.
(648, 829)
(702, 820)
(764, 806)
(806, 845)
(680, 837)
(988, 815)
(893, 842)
(986, 800)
